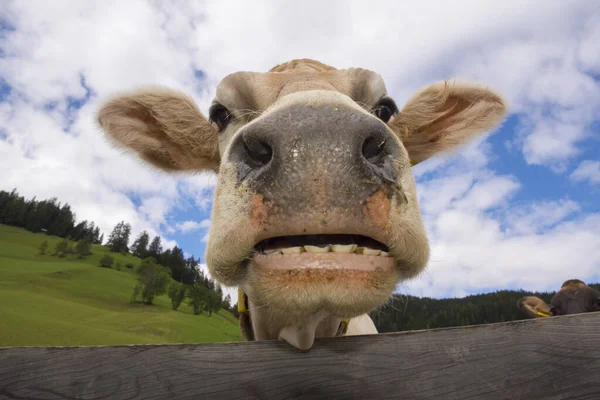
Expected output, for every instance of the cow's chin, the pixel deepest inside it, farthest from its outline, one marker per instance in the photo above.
(344, 285)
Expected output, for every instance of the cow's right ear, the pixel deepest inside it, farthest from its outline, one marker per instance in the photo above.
(164, 127)
(534, 306)
(445, 115)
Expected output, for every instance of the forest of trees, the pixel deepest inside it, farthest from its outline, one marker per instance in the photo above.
(155, 271)
(405, 313)
(48, 216)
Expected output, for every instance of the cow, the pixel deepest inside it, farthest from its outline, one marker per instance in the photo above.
(315, 215)
(574, 297)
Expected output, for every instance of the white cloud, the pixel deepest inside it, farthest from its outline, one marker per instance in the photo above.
(192, 226)
(588, 53)
(588, 170)
(538, 217)
(545, 70)
(482, 240)
(534, 246)
(187, 226)
(541, 55)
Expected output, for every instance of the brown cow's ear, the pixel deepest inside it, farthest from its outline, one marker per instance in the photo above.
(164, 127)
(534, 306)
(444, 115)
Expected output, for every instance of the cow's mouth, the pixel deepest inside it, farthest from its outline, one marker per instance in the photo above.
(342, 252)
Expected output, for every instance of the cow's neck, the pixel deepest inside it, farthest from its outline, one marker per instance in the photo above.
(257, 323)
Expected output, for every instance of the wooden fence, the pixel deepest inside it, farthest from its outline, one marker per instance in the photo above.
(546, 358)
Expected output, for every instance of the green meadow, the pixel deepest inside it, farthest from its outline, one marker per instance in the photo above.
(51, 301)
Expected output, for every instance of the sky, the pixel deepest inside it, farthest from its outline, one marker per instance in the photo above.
(517, 208)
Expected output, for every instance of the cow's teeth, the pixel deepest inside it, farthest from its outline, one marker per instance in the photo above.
(316, 249)
(336, 248)
(367, 252)
(293, 250)
(341, 248)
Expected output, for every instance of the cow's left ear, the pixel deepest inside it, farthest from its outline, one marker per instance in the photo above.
(534, 306)
(444, 115)
(164, 127)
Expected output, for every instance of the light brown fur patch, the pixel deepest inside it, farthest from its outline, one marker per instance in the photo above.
(345, 293)
(258, 212)
(302, 64)
(572, 284)
(377, 209)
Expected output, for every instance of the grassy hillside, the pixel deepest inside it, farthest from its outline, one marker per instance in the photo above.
(46, 300)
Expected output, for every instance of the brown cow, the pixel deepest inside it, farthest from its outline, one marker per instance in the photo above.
(574, 297)
(315, 215)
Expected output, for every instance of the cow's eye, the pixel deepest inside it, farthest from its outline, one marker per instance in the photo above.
(385, 109)
(220, 115)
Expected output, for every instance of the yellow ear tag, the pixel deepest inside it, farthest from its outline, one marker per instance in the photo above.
(543, 314)
(242, 306)
(343, 327)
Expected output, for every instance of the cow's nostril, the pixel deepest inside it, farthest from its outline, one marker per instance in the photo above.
(372, 150)
(259, 152)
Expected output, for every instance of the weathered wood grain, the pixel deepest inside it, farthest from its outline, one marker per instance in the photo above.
(549, 358)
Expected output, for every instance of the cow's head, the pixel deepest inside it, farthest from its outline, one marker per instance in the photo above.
(574, 297)
(315, 213)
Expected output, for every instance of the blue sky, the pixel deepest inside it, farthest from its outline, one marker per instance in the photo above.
(516, 209)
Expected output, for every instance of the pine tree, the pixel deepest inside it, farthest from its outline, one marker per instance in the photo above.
(65, 221)
(30, 209)
(12, 210)
(175, 260)
(32, 217)
(227, 302)
(125, 238)
(214, 301)
(139, 248)
(114, 238)
(155, 250)
(79, 230)
(119, 238)
(89, 232)
(96, 236)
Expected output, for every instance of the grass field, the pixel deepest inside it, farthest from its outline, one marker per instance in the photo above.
(49, 301)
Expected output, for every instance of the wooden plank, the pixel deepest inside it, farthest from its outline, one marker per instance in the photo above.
(548, 358)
